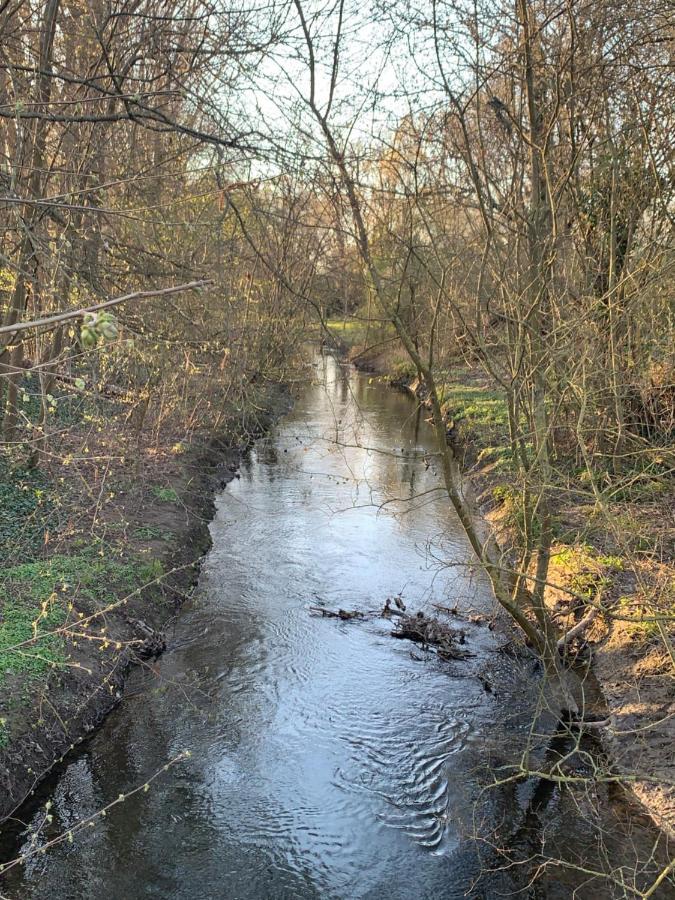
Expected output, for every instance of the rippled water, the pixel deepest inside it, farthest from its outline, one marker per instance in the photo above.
(328, 760)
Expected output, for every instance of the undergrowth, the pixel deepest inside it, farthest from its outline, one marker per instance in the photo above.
(36, 598)
(27, 509)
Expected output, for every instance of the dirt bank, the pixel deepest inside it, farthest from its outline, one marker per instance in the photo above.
(622, 563)
(120, 534)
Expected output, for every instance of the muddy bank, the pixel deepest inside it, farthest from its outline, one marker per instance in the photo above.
(112, 599)
(631, 668)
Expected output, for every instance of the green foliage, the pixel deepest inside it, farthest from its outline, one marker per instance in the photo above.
(4, 734)
(500, 458)
(474, 406)
(66, 408)
(7, 280)
(503, 493)
(402, 370)
(588, 571)
(148, 571)
(33, 605)
(165, 494)
(357, 332)
(26, 508)
(98, 326)
(615, 563)
(587, 584)
(639, 479)
(35, 599)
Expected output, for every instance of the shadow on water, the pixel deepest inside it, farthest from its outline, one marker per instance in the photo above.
(327, 761)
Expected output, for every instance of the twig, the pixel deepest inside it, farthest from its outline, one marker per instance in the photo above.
(76, 313)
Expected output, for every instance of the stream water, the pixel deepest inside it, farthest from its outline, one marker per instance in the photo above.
(327, 759)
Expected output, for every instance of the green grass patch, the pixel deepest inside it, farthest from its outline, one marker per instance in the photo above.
(358, 332)
(165, 494)
(500, 458)
(403, 370)
(21, 624)
(475, 406)
(35, 599)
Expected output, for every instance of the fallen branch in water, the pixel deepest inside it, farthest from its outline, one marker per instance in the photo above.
(474, 618)
(431, 632)
(578, 629)
(343, 614)
(424, 630)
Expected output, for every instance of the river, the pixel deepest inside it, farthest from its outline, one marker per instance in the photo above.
(327, 759)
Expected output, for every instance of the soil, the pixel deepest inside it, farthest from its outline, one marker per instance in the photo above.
(158, 511)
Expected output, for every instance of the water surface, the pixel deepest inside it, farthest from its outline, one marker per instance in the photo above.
(328, 759)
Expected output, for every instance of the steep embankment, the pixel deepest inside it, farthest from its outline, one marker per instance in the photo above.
(114, 543)
(617, 559)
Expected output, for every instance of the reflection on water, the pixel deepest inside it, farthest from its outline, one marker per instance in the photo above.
(328, 761)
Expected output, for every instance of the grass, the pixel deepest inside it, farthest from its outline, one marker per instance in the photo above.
(586, 571)
(36, 597)
(474, 406)
(22, 623)
(354, 332)
(165, 494)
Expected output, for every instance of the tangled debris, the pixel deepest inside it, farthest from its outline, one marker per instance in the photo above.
(427, 631)
(431, 632)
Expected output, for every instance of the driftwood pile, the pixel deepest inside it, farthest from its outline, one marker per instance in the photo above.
(430, 632)
(427, 631)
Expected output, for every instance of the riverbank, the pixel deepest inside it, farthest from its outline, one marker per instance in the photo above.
(102, 545)
(618, 559)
